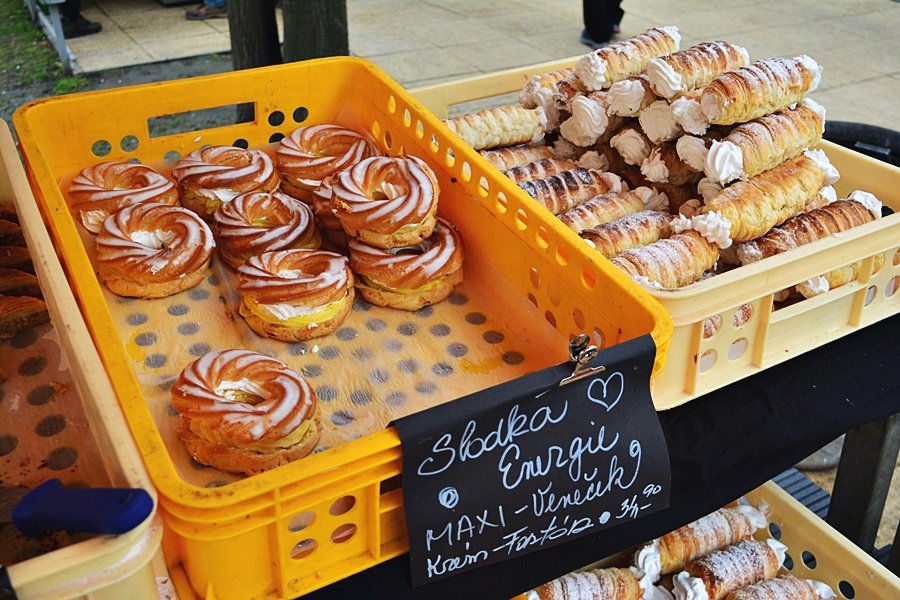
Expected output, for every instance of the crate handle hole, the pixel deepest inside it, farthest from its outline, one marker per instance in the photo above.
(343, 533)
(502, 203)
(388, 140)
(304, 548)
(342, 505)
(847, 590)
(407, 117)
(484, 188)
(215, 116)
(301, 521)
(420, 129)
(466, 171)
(707, 360)
(775, 530)
(276, 118)
(392, 104)
(788, 562)
(101, 148)
(542, 237)
(129, 143)
(434, 145)
(562, 256)
(711, 326)
(276, 137)
(742, 316)
(870, 295)
(737, 348)
(521, 220)
(891, 288)
(300, 114)
(450, 158)
(809, 559)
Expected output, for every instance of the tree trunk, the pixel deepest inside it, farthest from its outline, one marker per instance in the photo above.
(254, 40)
(315, 28)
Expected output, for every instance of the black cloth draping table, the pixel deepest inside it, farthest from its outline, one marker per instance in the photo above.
(721, 446)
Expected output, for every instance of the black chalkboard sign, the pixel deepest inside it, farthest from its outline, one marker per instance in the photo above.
(531, 463)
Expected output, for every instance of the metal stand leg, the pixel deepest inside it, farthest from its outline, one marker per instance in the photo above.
(863, 480)
(893, 562)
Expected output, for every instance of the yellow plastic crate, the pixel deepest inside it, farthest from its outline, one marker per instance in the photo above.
(815, 549)
(236, 541)
(104, 567)
(696, 366)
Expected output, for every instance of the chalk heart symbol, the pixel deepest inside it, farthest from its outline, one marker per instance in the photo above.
(601, 391)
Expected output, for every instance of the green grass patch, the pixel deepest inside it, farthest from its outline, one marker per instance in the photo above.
(25, 55)
(67, 85)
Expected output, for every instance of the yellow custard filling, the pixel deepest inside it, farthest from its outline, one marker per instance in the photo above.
(419, 290)
(199, 427)
(328, 312)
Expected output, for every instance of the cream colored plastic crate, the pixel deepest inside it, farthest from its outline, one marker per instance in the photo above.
(696, 365)
(103, 567)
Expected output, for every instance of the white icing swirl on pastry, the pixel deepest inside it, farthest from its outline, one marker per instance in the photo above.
(648, 560)
(652, 199)
(625, 97)
(310, 154)
(725, 162)
(823, 590)
(821, 159)
(708, 189)
(591, 70)
(868, 200)
(310, 278)
(587, 123)
(681, 223)
(593, 160)
(654, 168)
(692, 151)
(631, 145)
(664, 79)
(658, 122)
(223, 172)
(688, 113)
(811, 65)
(714, 227)
(689, 588)
(815, 107)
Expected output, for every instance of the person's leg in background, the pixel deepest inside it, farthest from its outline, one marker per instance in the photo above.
(73, 24)
(601, 21)
(210, 9)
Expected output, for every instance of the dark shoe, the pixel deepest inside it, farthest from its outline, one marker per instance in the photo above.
(203, 12)
(617, 29)
(587, 40)
(73, 28)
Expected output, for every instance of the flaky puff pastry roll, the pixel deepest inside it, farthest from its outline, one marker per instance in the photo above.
(568, 189)
(808, 227)
(786, 587)
(540, 169)
(759, 89)
(716, 575)
(835, 279)
(757, 146)
(540, 87)
(749, 209)
(516, 156)
(590, 123)
(717, 530)
(503, 126)
(670, 263)
(637, 229)
(601, 68)
(599, 584)
(694, 67)
(664, 165)
(605, 208)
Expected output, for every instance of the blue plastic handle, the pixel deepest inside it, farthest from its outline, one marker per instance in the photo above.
(88, 510)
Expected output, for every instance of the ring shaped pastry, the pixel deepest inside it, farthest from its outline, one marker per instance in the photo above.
(261, 222)
(293, 295)
(387, 202)
(310, 154)
(153, 250)
(105, 188)
(411, 277)
(245, 412)
(215, 175)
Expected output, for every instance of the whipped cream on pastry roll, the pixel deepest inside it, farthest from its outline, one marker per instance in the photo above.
(691, 208)
(632, 145)
(658, 122)
(813, 287)
(601, 68)
(724, 162)
(714, 227)
(593, 160)
(868, 200)
(692, 150)
(588, 121)
(655, 169)
(688, 113)
(629, 96)
(708, 189)
(821, 159)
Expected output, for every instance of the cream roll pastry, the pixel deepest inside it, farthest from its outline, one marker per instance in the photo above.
(244, 412)
(294, 295)
(153, 250)
(387, 202)
(105, 188)
(411, 277)
(215, 175)
(259, 222)
(310, 154)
